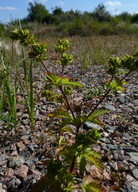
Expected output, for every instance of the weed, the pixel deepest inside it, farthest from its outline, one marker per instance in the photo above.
(71, 157)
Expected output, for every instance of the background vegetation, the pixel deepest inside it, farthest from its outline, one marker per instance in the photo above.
(70, 23)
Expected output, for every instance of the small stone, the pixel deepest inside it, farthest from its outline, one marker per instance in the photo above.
(25, 116)
(14, 153)
(134, 157)
(29, 163)
(114, 166)
(121, 98)
(2, 188)
(16, 161)
(36, 174)
(135, 102)
(112, 147)
(135, 173)
(18, 181)
(106, 175)
(105, 140)
(36, 117)
(43, 117)
(122, 166)
(20, 146)
(9, 173)
(117, 157)
(30, 148)
(3, 157)
(110, 129)
(105, 134)
(11, 183)
(25, 121)
(22, 172)
(121, 152)
(88, 125)
(131, 183)
(110, 107)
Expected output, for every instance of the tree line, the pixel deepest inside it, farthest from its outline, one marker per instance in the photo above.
(38, 12)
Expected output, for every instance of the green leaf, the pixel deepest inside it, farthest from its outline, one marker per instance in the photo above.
(65, 81)
(59, 81)
(94, 157)
(61, 114)
(66, 129)
(90, 185)
(73, 84)
(61, 140)
(52, 77)
(97, 113)
(116, 85)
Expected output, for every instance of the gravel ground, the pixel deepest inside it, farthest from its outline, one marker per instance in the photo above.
(22, 152)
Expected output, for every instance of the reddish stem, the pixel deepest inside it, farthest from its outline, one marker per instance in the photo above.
(45, 66)
(69, 106)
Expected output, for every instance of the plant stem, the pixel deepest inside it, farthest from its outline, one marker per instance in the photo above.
(72, 164)
(99, 103)
(44, 66)
(69, 106)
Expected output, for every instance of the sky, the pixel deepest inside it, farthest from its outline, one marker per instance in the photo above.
(17, 9)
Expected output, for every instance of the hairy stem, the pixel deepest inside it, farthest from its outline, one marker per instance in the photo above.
(69, 106)
(42, 62)
(77, 128)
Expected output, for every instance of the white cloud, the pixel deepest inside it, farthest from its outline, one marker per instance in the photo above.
(113, 4)
(61, 3)
(8, 8)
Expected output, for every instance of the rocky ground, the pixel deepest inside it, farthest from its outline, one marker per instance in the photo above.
(22, 152)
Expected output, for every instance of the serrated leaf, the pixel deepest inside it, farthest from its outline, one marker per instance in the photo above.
(60, 114)
(97, 113)
(95, 158)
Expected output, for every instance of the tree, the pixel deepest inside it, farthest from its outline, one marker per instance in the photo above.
(125, 16)
(37, 12)
(134, 18)
(101, 14)
(57, 11)
(58, 15)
